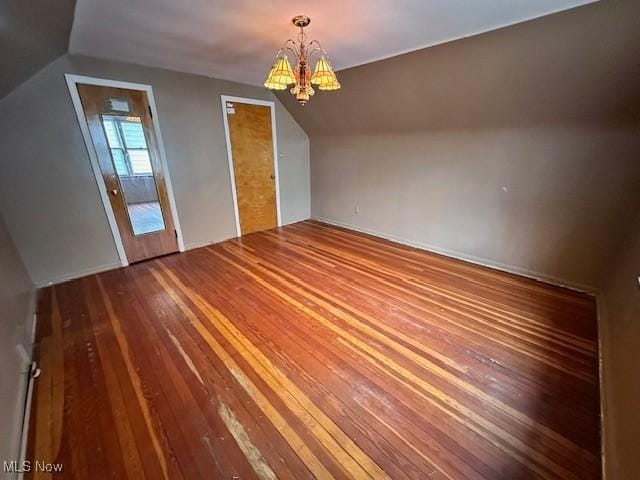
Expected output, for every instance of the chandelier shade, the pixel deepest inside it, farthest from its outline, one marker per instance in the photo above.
(282, 75)
(324, 76)
(335, 85)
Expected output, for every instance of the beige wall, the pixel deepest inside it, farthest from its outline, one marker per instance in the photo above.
(16, 313)
(47, 190)
(579, 66)
(517, 148)
(424, 143)
(621, 310)
(547, 202)
(32, 35)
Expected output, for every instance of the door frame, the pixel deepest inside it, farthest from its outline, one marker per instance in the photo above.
(72, 80)
(274, 140)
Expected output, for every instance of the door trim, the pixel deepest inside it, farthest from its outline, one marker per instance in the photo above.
(274, 140)
(72, 80)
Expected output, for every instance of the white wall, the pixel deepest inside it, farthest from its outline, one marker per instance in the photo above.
(49, 196)
(16, 314)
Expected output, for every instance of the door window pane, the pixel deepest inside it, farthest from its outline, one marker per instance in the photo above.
(132, 163)
(112, 134)
(119, 161)
(140, 162)
(133, 134)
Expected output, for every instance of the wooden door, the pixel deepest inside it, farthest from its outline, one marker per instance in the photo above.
(122, 132)
(253, 165)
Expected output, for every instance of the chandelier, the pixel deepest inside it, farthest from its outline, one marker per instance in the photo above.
(282, 75)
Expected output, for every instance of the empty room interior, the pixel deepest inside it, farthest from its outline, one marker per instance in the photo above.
(320, 240)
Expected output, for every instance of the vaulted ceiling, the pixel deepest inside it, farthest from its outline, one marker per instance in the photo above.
(33, 33)
(577, 66)
(237, 39)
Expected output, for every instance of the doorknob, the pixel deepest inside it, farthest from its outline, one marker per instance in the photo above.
(114, 192)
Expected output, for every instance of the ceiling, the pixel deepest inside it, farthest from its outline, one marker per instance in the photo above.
(575, 67)
(29, 39)
(237, 39)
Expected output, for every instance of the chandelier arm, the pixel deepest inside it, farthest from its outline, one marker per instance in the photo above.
(317, 46)
(282, 52)
(295, 49)
(295, 52)
(281, 73)
(317, 49)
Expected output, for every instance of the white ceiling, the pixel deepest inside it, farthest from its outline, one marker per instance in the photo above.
(237, 39)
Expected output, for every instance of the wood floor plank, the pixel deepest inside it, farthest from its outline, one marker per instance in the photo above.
(218, 387)
(311, 351)
(433, 335)
(429, 366)
(277, 351)
(288, 324)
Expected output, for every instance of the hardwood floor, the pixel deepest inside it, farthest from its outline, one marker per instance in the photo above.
(315, 352)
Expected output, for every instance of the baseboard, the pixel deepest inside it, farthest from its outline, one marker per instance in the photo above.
(194, 245)
(24, 435)
(291, 221)
(541, 277)
(606, 427)
(79, 274)
(24, 350)
(111, 266)
(603, 331)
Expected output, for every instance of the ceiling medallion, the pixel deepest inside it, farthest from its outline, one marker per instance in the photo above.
(282, 75)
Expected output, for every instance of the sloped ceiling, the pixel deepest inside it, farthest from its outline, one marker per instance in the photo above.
(581, 65)
(237, 39)
(33, 33)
